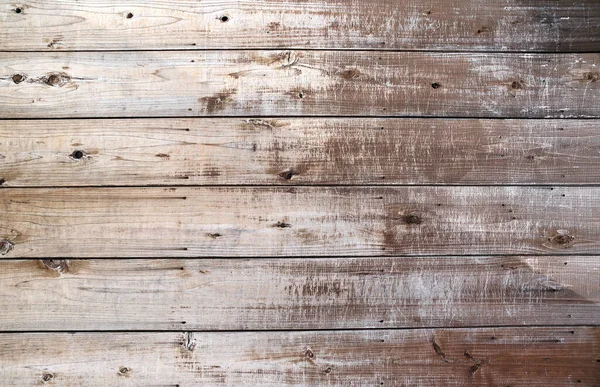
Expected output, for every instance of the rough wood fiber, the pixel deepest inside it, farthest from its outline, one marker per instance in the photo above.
(490, 356)
(521, 25)
(298, 151)
(328, 293)
(298, 221)
(242, 83)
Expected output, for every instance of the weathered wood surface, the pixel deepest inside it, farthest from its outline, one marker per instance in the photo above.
(296, 83)
(298, 221)
(301, 151)
(328, 293)
(490, 356)
(522, 25)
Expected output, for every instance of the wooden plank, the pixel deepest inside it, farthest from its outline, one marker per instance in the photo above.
(263, 83)
(458, 357)
(297, 151)
(523, 25)
(328, 293)
(298, 221)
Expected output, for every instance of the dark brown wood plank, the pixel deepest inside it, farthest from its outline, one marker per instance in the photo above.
(459, 357)
(298, 221)
(522, 25)
(327, 293)
(138, 152)
(298, 83)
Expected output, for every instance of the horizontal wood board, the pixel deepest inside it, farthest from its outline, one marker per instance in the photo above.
(298, 221)
(297, 151)
(455, 357)
(327, 293)
(298, 83)
(517, 25)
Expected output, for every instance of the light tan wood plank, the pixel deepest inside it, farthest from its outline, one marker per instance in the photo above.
(328, 293)
(263, 83)
(298, 151)
(385, 24)
(298, 221)
(491, 356)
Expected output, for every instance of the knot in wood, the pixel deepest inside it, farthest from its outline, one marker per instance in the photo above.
(124, 370)
(309, 354)
(287, 174)
(5, 246)
(562, 239)
(47, 377)
(59, 265)
(190, 341)
(18, 78)
(413, 219)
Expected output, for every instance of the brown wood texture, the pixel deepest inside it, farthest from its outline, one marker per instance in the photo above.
(298, 83)
(327, 293)
(297, 151)
(559, 356)
(520, 25)
(298, 221)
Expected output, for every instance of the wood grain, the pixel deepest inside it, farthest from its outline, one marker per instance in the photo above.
(522, 25)
(297, 83)
(137, 152)
(298, 221)
(328, 293)
(456, 357)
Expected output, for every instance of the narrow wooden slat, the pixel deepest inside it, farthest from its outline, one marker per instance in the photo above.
(288, 221)
(242, 83)
(458, 357)
(328, 293)
(522, 25)
(298, 151)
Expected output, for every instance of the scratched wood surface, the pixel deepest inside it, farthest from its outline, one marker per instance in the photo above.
(518, 25)
(297, 151)
(558, 356)
(299, 192)
(298, 221)
(296, 83)
(258, 294)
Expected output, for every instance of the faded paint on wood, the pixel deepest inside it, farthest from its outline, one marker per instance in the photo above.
(296, 83)
(522, 25)
(301, 151)
(298, 221)
(458, 357)
(258, 294)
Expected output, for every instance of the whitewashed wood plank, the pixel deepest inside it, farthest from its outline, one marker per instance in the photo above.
(298, 83)
(298, 221)
(522, 25)
(454, 357)
(304, 151)
(326, 293)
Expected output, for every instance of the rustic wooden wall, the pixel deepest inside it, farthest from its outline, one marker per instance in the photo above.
(300, 192)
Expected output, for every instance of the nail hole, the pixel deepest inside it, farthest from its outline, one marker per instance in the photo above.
(569, 316)
(435, 85)
(327, 370)
(224, 18)
(300, 95)
(124, 370)
(77, 155)
(129, 15)
(18, 10)
(516, 85)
